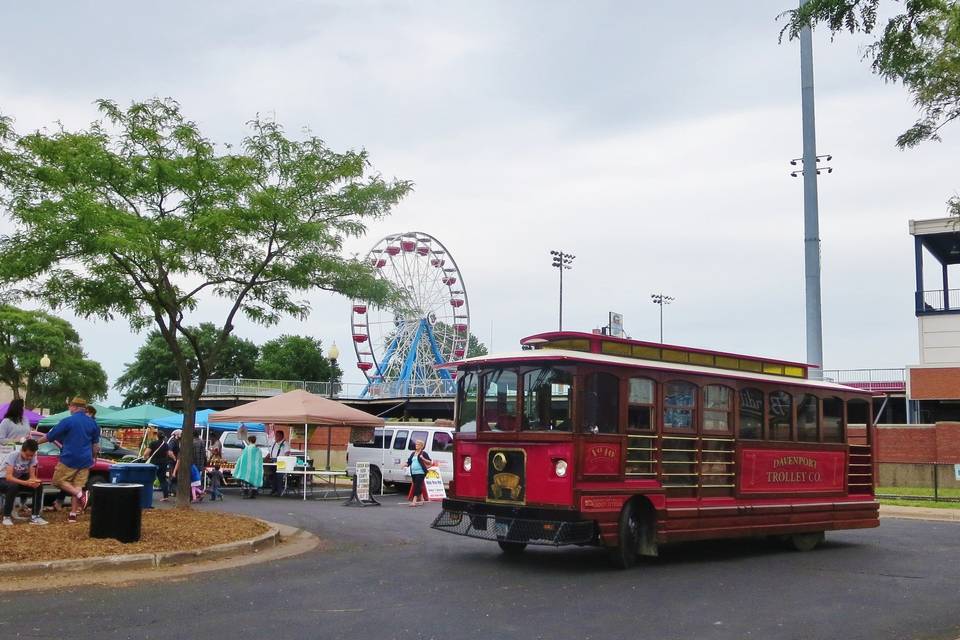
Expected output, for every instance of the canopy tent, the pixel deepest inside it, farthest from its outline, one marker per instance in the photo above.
(299, 407)
(134, 416)
(102, 412)
(200, 421)
(32, 418)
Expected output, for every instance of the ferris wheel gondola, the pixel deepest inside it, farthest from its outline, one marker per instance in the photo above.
(400, 347)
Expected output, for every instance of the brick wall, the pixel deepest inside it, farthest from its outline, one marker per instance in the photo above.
(919, 443)
(935, 383)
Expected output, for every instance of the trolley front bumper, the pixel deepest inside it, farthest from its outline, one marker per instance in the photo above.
(514, 524)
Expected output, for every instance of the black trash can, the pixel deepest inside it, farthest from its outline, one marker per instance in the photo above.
(115, 511)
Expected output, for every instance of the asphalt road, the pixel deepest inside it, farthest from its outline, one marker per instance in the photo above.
(387, 575)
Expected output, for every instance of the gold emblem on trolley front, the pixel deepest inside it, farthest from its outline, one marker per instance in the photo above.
(500, 461)
(506, 486)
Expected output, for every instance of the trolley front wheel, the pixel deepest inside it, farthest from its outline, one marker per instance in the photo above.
(512, 548)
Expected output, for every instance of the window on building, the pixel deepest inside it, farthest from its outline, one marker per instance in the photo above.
(640, 404)
(601, 403)
(832, 420)
(679, 405)
(717, 409)
(467, 389)
(807, 423)
(780, 415)
(548, 397)
(500, 401)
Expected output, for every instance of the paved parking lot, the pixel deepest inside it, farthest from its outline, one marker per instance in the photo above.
(385, 574)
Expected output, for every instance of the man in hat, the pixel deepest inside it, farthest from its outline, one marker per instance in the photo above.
(79, 438)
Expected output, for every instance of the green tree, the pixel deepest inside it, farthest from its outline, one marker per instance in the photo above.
(294, 358)
(918, 47)
(141, 217)
(145, 379)
(25, 337)
(475, 347)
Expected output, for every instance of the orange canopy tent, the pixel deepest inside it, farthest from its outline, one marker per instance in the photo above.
(299, 407)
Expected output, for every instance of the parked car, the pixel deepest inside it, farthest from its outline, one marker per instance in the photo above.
(392, 445)
(48, 456)
(112, 451)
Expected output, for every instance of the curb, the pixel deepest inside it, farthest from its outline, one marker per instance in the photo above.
(148, 560)
(920, 513)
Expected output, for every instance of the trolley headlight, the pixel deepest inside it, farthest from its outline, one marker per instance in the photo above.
(467, 463)
(560, 467)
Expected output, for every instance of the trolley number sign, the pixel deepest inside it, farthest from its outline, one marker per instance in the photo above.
(363, 480)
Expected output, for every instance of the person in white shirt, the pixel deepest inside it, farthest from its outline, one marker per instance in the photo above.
(14, 426)
(277, 449)
(18, 475)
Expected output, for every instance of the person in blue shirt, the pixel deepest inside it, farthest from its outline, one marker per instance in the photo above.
(79, 438)
(419, 461)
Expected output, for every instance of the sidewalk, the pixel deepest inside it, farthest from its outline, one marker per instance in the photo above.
(920, 513)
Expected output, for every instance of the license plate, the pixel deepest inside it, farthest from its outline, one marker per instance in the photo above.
(501, 529)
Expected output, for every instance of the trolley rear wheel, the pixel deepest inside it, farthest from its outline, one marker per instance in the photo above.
(512, 548)
(806, 541)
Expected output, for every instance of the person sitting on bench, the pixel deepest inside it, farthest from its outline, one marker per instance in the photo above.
(18, 475)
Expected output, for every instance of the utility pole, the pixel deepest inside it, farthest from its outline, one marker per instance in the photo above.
(562, 261)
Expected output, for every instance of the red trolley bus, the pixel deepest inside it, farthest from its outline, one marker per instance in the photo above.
(592, 440)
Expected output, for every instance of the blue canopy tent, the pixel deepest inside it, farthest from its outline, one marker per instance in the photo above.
(200, 421)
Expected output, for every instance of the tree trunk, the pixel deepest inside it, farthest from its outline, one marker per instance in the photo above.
(190, 397)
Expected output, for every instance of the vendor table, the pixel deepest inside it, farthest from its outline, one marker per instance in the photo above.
(327, 481)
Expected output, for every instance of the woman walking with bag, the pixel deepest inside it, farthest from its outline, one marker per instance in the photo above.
(419, 461)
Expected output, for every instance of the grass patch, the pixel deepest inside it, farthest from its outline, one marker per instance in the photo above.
(929, 504)
(943, 492)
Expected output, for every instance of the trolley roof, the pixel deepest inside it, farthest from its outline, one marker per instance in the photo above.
(601, 349)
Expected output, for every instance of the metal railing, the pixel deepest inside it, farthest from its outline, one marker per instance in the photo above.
(879, 380)
(938, 300)
(257, 388)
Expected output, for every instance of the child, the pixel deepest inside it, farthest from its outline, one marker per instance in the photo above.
(196, 491)
(215, 473)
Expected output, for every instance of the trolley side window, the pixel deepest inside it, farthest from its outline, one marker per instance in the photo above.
(717, 409)
(808, 411)
(780, 416)
(640, 404)
(751, 414)
(832, 420)
(467, 393)
(679, 405)
(500, 401)
(601, 407)
(547, 399)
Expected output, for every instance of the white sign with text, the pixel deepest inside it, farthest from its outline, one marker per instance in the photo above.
(363, 480)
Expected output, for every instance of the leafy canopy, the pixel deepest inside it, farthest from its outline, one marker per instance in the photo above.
(145, 379)
(141, 217)
(295, 358)
(25, 337)
(919, 47)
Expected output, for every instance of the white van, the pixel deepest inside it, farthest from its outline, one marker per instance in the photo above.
(392, 445)
(232, 447)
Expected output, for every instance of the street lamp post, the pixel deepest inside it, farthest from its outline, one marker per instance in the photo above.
(44, 366)
(562, 261)
(332, 354)
(660, 299)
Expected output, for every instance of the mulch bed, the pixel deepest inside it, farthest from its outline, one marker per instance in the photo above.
(162, 530)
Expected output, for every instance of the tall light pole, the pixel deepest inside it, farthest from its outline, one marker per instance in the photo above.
(332, 354)
(44, 366)
(660, 299)
(811, 221)
(562, 261)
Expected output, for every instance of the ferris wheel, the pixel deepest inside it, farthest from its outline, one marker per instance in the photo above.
(399, 346)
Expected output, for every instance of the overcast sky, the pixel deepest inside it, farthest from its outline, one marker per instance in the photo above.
(652, 140)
